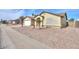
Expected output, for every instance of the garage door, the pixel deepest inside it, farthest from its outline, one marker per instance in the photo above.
(27, 23)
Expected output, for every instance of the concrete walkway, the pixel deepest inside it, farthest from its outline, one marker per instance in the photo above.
(13, 39)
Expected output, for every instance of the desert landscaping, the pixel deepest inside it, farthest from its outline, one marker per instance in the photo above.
(46, 29)
(55, 38)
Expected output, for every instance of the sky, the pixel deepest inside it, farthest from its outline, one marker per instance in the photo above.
(11, 14)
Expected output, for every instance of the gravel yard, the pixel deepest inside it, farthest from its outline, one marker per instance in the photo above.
(55, 38)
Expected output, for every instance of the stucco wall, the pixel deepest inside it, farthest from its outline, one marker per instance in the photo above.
(51, 20)
(63, 22)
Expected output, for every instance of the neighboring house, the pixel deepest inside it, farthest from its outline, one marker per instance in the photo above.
(14, 22)
(77, 24)
(28, 21)
(71, 23)
(46, 19)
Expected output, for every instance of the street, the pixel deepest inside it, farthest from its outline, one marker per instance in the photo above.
(11, 39)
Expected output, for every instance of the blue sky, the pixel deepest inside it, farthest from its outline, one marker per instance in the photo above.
(16, 13)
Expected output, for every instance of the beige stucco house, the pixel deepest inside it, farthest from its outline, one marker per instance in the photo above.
(51, 20)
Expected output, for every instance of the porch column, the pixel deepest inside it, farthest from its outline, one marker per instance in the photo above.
(41, 24)
(35, 24)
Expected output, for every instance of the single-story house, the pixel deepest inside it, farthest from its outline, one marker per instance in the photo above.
(46, 19)
(77, 24)
(28, 21)
(71, 23)
(13, 22)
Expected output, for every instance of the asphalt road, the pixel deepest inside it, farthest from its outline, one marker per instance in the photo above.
(11, 39)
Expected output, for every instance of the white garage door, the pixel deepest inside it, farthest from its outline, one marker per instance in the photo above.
(27, 23)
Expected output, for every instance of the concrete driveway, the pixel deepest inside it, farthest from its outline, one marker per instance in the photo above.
(11, 39)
